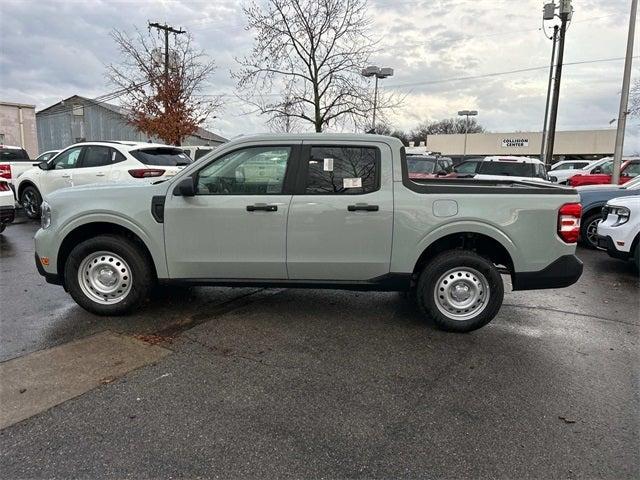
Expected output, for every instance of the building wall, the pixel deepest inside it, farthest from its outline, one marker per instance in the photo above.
(568, 143)
(62, 125)
(10, 126)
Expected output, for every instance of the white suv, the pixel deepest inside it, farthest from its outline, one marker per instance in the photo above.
(97, 162)
(619, 231)
(506, 167)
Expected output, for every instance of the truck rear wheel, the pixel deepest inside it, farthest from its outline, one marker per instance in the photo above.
(108, 275)
(460, 290)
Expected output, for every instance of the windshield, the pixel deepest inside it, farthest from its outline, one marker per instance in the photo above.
(164, 157)
(421, 164)
(632, 184)
(509, 169)
(13, 155)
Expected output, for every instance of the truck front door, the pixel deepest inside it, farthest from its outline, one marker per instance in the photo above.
(341, 217)
(235, 225)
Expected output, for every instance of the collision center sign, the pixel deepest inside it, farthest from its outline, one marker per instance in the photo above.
(515, 142)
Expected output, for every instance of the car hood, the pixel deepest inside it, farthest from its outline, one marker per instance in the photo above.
(108, 189)
(604, 186)
(632, 202)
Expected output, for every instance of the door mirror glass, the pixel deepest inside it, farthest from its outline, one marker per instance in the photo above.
(552, 178)
(185, 188)
(597, 170)
(43, 165)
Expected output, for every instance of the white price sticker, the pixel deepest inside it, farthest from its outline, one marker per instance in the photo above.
(328, 164)
(352, 182)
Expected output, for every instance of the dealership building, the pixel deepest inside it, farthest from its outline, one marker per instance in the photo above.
(574, 144)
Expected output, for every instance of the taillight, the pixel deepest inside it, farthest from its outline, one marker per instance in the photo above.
(146, 172)
(5, 171)
(4, 187)
(569, 222)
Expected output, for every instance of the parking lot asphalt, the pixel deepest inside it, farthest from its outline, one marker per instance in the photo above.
(327, 384)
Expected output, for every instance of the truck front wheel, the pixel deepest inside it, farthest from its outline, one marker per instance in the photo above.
(460, 290)
(108, 275)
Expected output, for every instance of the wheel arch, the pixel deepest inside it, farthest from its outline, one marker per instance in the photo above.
(24, 184)
(500, 252)
(95, 228)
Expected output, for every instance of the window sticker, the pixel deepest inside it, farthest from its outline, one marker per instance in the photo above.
(352, 182)
(328, 164)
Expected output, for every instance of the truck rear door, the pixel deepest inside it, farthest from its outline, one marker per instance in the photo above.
(341, 216)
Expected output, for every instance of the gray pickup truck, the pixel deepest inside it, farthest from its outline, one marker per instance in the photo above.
(312, 211)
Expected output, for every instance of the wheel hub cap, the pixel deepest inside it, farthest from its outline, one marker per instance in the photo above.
(461, 293)
(104, 277)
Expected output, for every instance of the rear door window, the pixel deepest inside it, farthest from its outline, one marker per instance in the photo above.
(342, 170)
(161, 157)
(96, 156)
(632, 170)
(13, 155)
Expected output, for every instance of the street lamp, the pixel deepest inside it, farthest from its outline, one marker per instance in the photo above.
(374, 71)
(467, 114)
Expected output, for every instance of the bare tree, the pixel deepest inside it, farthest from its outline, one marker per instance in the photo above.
(166, 106)
(449, 125)
(284, 121)
(313, 51)
(634, 98)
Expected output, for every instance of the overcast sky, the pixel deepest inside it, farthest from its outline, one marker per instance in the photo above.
(51, 50)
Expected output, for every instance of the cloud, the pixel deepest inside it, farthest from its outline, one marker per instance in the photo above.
(51, 50)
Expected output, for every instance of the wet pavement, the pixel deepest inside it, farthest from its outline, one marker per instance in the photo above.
(301, 383)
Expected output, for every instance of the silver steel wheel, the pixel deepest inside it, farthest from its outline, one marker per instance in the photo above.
(105, 278)
(592, 231)
(461, 293)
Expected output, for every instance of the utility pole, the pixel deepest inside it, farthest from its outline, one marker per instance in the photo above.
(565, 11)
(546, 108)
(375, 71)
(167, 30)
(624, 98)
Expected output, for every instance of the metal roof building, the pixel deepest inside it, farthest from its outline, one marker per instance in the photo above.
(77, 119)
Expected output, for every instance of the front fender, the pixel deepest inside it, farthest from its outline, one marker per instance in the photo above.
(152, 236)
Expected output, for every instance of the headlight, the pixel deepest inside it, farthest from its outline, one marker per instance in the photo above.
(623, 214)
(45, 215)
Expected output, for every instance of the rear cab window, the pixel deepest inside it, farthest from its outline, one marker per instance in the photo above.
(506, 168)
(13, 155)
(342, 170)
(161, 156)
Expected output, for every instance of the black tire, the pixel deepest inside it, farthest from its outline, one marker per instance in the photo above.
(138, 273)
(2, 227)
(31, 200)
(636, 257)
(489, 282)
(588, 227)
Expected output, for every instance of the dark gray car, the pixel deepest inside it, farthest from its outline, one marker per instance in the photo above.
(593, 198)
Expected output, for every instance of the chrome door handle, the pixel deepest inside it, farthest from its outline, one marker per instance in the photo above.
(100, 174)
(65, 176)
(363, 207)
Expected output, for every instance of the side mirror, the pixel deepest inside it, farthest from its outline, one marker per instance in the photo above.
(441, 173)
(597, 170)
(553, 179)
(43, 165)
(185, 188)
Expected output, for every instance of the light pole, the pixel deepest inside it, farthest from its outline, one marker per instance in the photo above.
(375, 71)
(624, 97)
(467, 114)
(565, 11)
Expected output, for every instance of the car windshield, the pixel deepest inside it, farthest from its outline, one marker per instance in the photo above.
(13, 155)
(509, 169)
(164, 157)
(421, 164)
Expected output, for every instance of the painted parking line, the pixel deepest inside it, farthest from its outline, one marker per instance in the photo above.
(36, 382)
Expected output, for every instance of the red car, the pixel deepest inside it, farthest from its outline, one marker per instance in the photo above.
(630, 169)
(428, 166)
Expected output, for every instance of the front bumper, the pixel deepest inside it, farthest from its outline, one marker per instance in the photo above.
(605, 242)
(52, 278)
(7, 214)
(564, 271)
